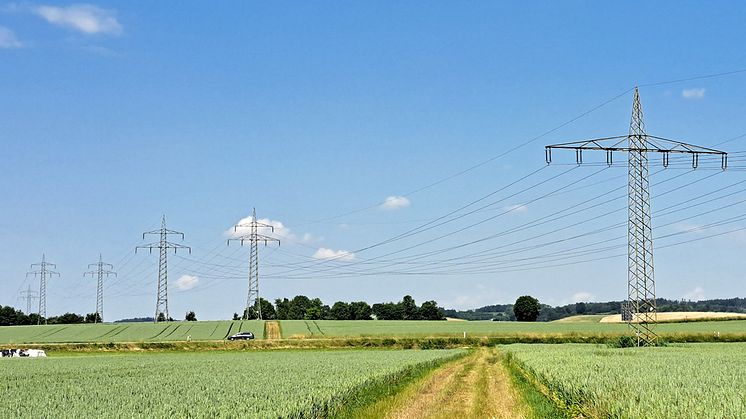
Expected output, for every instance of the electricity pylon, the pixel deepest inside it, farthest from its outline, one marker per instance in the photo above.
(101, 270)
(161, 303)
(29, 295)
(640, 310)
(253, 238)
(43, 272)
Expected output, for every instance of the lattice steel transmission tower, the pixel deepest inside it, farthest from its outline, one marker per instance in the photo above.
(101, 270)
(29, 295)
(254, 238)
(163, 245)
(639, 310)
(43, 272)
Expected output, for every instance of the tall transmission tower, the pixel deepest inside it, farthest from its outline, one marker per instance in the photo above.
(163, 245)
(29, 295)
(100, 271)
(254, 238)
(42, 271)
(639, 310)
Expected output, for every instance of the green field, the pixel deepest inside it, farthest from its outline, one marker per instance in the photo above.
(206, 384)
(373, 328)
(128, 332)
(322, 329)
(679, 381)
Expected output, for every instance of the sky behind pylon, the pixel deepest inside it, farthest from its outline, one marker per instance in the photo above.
(349, 125)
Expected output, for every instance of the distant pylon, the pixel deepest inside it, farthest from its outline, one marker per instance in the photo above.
(639, 310)
(161, 303)
(43, 272)
(29, 295)
(101, 270)
(252, 298)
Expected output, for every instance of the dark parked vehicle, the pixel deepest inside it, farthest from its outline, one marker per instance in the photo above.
(241, 336)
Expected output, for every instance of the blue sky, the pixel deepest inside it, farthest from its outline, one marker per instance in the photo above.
(315, 113)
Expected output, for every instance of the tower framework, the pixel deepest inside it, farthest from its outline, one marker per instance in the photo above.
(29, 295)
(254, 238)
(100, 271)
(42, 271)
(163, 246)
(640, 309)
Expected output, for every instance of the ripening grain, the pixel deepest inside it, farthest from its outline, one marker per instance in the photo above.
(682, 381)
(212, 384)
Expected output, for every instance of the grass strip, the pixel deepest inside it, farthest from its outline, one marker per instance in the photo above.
(375, 399)
(540, 400)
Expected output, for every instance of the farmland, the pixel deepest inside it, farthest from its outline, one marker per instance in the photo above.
(382, 328)
(328, 329)
(247, 384)
(681, 381)
(128, 332)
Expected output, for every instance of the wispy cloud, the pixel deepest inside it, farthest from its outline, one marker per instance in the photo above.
(85, 18)
(518, 208)
(8, 39)
(696, 294)
(186, 282)
(696, 93)
(342, 255)
(395, 203)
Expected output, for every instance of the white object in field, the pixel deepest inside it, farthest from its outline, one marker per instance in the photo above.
(464, 335)
(36, 353)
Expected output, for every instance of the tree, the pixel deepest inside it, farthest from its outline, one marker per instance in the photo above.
(388, 311)
(283, 308)
(526, 309)
(190, 317)
(581, 308)
(299, 305)
(236, 317)
(161, 317)
(430, 311)
(93, 318)
(67, 318)
(313, 313)
(268, 310)
(360, 310)
(409, 306)
(340, 311)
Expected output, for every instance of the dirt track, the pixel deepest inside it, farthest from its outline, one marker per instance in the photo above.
(272, 330)
(474, 387)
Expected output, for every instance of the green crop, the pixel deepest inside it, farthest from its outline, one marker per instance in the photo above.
(129, 332)
(215, 384)
(678, 381)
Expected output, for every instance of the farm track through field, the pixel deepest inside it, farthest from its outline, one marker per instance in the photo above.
(272, 330)
(474, 387)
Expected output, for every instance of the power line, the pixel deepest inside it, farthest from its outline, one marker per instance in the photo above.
(43, 272)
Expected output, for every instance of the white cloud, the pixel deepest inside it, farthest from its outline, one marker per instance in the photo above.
(395, 203)
(8, 39)
(342, 255)
(280, 231)
(518, 208)
(85, 18)
(696, 294)
(583, 297)
(186, 282)
(697, 93)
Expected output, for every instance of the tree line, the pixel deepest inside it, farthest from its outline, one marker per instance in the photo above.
(504, 312)
(9, 316)
(302, 307)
